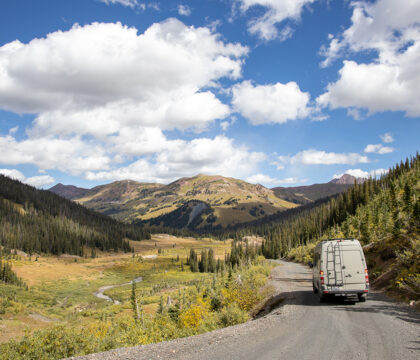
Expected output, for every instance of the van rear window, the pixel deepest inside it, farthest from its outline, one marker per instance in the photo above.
(352, 259)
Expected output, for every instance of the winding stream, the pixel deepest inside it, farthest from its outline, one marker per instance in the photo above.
(100, 292)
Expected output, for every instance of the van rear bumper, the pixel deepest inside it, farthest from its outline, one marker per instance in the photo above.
(344, 292)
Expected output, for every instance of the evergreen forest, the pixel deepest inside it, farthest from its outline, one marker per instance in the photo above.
(38, 221)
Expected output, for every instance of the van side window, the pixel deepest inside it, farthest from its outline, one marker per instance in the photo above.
(316, 259)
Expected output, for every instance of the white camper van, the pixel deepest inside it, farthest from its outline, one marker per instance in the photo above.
(339, 269)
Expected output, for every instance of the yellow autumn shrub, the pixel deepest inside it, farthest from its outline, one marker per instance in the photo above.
(194, 315)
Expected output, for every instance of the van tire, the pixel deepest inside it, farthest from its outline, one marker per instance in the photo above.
(322, 299)
(314, 289)
(362, 297)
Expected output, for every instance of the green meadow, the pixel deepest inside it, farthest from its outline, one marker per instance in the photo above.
(59, 304)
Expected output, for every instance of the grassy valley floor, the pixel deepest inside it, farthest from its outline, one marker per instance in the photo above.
(61, 301)
(61, 288)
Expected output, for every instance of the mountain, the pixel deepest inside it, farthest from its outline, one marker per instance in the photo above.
(39, 221)
(68, 191)
(347, 179)
(231, 200)
(308, 194)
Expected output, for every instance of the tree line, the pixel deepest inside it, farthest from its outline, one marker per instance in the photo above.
(239, 254)
(7, 275)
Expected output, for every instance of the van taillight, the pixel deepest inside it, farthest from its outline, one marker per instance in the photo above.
(321, 277)
(366, 276)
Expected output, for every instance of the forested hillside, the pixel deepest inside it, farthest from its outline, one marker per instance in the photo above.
(39, 221)
(383, 214)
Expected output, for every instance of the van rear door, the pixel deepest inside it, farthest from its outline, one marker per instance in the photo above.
(335, 275)
(353, 268)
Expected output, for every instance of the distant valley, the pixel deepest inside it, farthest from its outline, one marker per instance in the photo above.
(197, 202)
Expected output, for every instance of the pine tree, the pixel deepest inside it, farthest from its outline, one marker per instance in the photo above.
(160, 308)
(407, 198)
(415, 219)
(134, 305)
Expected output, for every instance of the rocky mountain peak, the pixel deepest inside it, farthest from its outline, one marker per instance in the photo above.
(347, 179)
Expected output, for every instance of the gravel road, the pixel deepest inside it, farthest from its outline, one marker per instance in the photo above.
(300, 328)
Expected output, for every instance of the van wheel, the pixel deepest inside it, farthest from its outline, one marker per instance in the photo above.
(322, 299)
(362, 297)
(314, 289)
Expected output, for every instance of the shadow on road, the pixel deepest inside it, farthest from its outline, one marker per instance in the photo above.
(293, 280)
(376, 303)
(304, 298)
(386, 306)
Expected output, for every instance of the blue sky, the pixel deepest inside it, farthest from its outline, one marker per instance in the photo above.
(277, 92)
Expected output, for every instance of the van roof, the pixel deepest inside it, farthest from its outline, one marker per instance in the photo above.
(347, 241)
(341, 239)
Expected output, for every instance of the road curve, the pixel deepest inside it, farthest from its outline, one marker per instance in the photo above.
(301, 328)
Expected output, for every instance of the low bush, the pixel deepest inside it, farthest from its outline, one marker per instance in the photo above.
(232, 315)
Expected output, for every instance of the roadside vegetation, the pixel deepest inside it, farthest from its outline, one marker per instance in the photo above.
(172, 301)
(385, 217)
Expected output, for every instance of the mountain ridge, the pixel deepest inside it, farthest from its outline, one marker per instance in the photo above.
(232, 200)
(229, 201)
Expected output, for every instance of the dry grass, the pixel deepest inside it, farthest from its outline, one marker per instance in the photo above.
(158, 211)
(52, 268)
(14, 326)
(253, 240)
(62, 287)
(241, 212)
(165, 241)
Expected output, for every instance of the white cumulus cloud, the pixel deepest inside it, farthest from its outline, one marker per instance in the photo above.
(391, 82)
(103, 95)
(94, 72)
(292, 180)
(188, 158)
(318, 157)
(387, 138)
(378, 149)
(269, 181)
(276, 103)
(128, 3)
(266, 26)
(36, 181)
(184, 10)
(71, 155)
